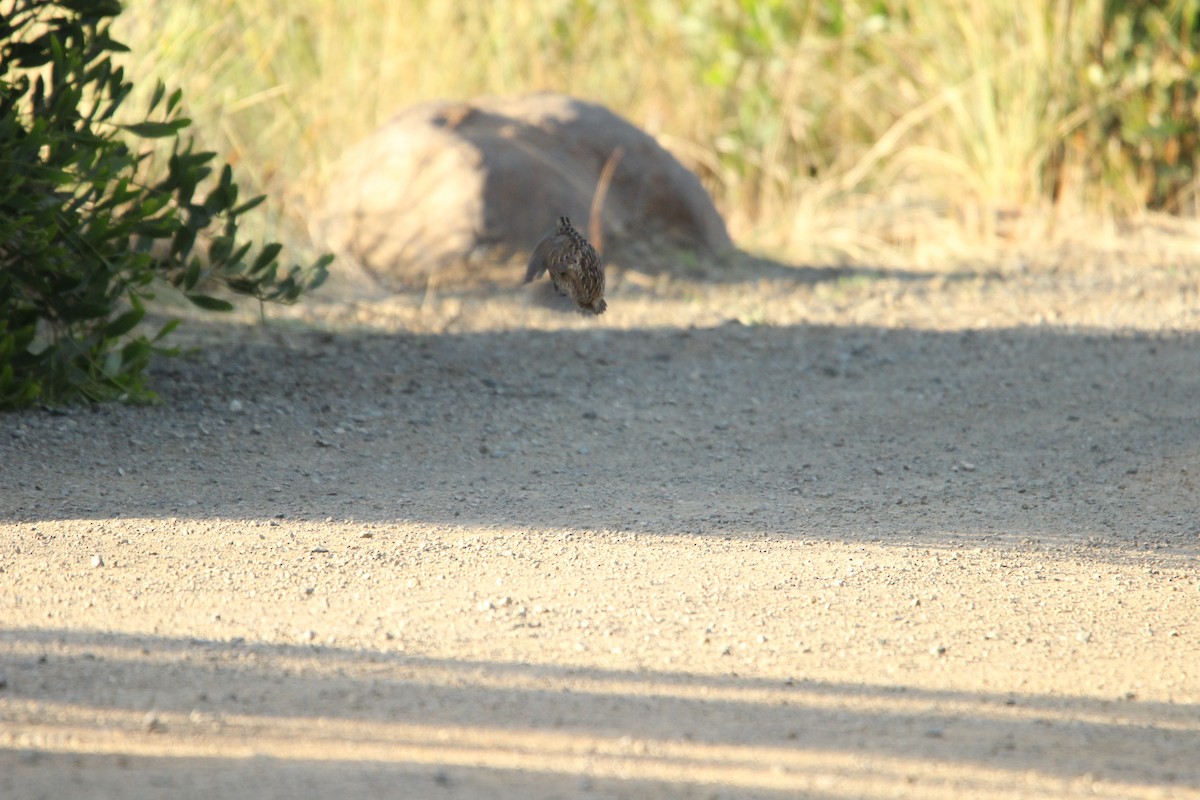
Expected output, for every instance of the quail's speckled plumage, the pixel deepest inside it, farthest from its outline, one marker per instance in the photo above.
(573, 264)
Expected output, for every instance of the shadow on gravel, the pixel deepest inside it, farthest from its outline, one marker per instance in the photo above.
(452, 724)
(850, 433)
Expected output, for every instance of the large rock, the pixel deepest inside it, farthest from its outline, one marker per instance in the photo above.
(443, 183)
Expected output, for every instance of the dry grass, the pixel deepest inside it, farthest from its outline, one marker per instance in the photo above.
(859, 131)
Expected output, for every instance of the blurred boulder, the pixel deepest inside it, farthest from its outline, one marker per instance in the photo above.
(454, 188)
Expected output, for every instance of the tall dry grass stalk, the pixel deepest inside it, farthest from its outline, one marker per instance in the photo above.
(856, 130)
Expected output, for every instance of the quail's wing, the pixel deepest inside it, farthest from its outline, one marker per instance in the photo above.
(590, 261)
(548, 255)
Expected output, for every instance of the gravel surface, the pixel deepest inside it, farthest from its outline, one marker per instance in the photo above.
(768, 532)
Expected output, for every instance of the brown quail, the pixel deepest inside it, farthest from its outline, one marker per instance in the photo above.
(573, 264)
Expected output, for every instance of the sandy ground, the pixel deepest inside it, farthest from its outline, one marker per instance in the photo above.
(771, 533)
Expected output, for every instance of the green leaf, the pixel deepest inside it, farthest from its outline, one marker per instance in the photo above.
(80, 311)
(192, 276)
(319, 272)
(242, 286)
(223, 194)
(236, 258)
(265, 258)
(136, 353)
(124, 323)
(210, 303)
(93, 8)
(181, 243)
(166, 330)
(249, 204)
(157, 130)
(160, 89)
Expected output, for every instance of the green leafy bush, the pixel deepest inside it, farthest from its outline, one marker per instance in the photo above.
(85, 235)
(1148, 56)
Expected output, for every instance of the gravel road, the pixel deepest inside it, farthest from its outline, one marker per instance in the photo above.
(827, 533)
